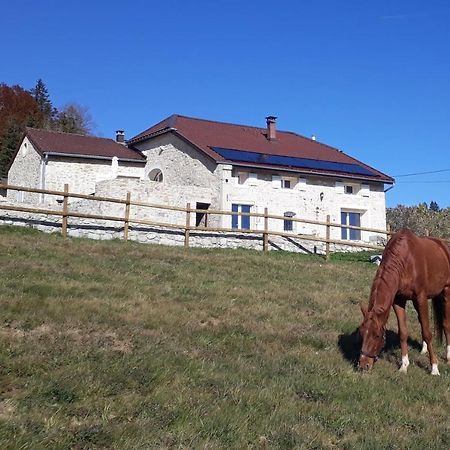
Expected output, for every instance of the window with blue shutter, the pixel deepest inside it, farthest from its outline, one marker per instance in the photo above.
(234, 218)
(240, 222)
(353, 219)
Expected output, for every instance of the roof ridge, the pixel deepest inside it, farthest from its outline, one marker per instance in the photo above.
(220, 122)
(69, 134)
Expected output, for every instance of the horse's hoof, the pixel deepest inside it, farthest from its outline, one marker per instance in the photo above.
(403, 369)
(435, 370)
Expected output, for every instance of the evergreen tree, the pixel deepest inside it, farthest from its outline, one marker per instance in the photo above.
(42, 98)
(9, 142)
(434, 206)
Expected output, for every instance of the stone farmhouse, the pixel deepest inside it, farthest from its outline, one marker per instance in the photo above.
(214, 165)
(49, 159)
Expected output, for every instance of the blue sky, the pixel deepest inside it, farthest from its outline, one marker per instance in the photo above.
(371, 78)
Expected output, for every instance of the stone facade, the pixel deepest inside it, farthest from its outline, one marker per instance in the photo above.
(26, 170)
(305, 197)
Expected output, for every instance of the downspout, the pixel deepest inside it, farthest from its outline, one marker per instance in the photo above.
(44, 162)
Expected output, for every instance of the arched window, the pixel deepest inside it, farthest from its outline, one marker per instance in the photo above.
(155, 175)
(288, 224)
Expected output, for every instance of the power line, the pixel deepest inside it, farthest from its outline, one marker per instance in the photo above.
(424, 181)
(421, 173)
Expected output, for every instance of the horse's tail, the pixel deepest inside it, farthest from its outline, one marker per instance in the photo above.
(438, 313)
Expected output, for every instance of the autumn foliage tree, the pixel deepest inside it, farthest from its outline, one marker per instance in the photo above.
(421, 219)
(18, 109)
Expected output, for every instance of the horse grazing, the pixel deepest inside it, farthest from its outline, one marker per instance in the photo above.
(412, 268)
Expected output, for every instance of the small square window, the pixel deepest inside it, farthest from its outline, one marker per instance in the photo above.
(348, 189)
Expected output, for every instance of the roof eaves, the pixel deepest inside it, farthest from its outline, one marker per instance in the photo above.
(387, 180)
(151, 135)
(79, 155)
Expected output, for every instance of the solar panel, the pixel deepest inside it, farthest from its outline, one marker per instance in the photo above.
(289, 161)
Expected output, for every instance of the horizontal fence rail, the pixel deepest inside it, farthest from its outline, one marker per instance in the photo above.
(65, 213)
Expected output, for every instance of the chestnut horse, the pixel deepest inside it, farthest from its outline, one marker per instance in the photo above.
(412, 268)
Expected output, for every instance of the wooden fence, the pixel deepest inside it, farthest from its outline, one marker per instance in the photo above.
(126, 219)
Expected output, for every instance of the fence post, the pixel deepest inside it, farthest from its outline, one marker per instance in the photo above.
(327, 242)
(266, 230)
(65, 211)
(127, 216)
(188, 225)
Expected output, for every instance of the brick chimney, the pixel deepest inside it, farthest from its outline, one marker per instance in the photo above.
(120, 137)
(271, 128)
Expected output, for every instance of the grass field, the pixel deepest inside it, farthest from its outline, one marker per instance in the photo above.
(114, 345)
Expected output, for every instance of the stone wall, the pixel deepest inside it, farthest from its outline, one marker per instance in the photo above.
(25, 171)
(106, 230)
(82, 175)
(180, 163)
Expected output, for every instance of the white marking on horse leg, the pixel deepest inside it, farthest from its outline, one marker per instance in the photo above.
(424, 348)
(448, 354)
(405, 364)
(434, 370)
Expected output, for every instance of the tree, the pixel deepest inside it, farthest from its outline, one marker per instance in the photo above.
(420, 219)
(9, 142)
(434, 206)
(74, 118)
(42, 98)
(18, 109)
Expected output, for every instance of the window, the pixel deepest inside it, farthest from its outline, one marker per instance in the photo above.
(238, 221)
(288, 225)
(156, 175)
(351, 189)
(242, 177)
(285, 184)
(353, 219)
(288, 182)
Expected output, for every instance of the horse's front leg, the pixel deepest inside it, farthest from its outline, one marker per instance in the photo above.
(421, 305)
(399, 309)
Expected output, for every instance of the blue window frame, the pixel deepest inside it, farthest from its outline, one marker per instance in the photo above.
(240, 222)
(288, 225)
(353, 219)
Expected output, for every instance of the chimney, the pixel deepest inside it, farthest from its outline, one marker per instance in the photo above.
(120, 137)
(271, 128)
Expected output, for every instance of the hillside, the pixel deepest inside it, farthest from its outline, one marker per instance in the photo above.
(127, 346)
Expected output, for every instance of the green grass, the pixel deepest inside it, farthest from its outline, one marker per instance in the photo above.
(114, 345)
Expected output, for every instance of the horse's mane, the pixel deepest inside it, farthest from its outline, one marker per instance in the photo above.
(392, 264)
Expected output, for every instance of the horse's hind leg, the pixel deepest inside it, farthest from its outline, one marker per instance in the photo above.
(421, 305)
(399, 309)
(446, 320)
(424, 348)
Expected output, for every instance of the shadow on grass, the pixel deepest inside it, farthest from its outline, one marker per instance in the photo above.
(350, 346)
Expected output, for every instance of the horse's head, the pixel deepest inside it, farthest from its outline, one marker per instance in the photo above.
(372, 333)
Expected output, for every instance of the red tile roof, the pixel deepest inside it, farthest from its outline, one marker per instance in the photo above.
(206, 134)
(45, 141)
